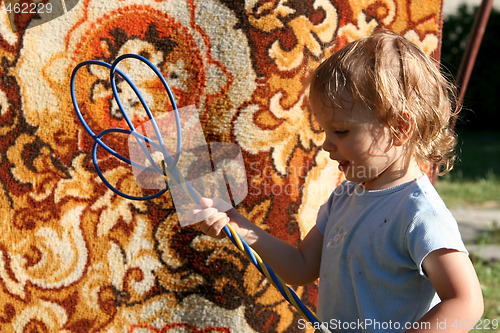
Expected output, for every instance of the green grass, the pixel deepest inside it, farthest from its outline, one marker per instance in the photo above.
(475, 179)
(489, 276)
(460, 191)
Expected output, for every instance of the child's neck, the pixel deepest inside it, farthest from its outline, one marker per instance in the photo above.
(395, 175)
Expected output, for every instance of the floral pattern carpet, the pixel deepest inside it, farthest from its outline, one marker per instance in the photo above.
(74, 256)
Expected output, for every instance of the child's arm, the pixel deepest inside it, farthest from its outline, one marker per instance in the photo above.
(295, 265)
(455, 280)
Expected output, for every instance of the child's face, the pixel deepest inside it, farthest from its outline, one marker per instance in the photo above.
(359, 142)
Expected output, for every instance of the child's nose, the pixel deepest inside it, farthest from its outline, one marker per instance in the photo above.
(329, 146)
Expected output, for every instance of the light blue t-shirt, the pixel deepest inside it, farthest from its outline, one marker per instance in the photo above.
(371, 277)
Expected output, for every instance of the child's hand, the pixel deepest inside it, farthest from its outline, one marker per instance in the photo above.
(296, 265)
(213, 216)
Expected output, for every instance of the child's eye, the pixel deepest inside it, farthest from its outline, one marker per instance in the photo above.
(341, 132)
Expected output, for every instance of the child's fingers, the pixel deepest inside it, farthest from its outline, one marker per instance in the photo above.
(212, 214)
(205, 214)
(220, 216)
(206, 202)
(220, 204)
(213, 227)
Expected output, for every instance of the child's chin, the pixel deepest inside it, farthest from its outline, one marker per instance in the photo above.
(355, 180)
(350, 177)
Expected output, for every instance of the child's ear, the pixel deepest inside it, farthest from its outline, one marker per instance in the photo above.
(406, 126)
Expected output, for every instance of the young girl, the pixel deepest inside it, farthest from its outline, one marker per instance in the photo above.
(386, 250)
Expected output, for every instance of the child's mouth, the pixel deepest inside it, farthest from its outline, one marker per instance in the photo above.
(343, 165)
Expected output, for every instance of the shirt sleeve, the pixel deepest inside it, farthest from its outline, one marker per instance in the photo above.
(432, 229)
(324, 214)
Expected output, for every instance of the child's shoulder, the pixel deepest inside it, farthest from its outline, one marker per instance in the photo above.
(423, 190)
(424, 202)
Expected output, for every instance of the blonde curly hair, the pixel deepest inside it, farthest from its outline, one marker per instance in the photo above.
(403, 86)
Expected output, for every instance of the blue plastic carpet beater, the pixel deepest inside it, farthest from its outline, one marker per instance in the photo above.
(168, 166)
